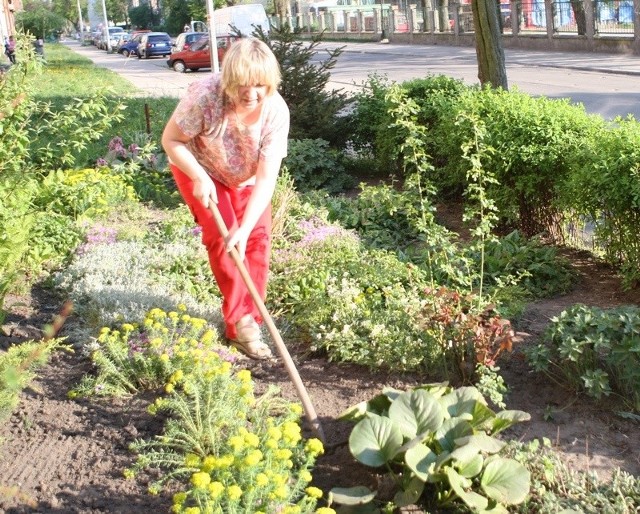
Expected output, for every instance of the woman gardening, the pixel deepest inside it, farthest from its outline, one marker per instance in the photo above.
(225, 142)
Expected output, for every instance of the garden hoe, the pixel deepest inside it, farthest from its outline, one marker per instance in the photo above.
(310, 412)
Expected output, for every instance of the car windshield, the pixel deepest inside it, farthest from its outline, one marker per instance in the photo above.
(201, 44)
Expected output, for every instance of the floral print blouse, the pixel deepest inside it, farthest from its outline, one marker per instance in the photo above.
(228, 150)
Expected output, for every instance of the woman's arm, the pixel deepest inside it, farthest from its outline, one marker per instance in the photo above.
(174, 142)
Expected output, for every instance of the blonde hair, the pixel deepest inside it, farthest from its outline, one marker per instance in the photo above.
(249, 62)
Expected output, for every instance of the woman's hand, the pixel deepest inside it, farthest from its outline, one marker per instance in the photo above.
(204, 190)
(238, 238)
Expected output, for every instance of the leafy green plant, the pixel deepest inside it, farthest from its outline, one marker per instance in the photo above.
(555, 487)
(314, 165)
(595, 350)
(438, 444)
(18, 367)
(239, 452)
(534, 266)
(88, 193)
(142, 356)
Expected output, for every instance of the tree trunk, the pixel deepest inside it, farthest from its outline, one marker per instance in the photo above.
(581, 18)
(491, 67)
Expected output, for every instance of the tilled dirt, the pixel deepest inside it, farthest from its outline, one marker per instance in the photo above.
(66, 456)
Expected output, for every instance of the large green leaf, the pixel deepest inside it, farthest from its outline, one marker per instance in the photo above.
(461, 402)
(375, 440)
(452, 429)
(471, 467)
(421, 460)
(504, 419)
(416, 412)
(379, 404)
(506, 481)
(359, 495)
(483, 442)
(410, 494)
(474, 501)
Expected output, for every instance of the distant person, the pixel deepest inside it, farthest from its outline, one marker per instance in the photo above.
(10, 49)
(38, 44)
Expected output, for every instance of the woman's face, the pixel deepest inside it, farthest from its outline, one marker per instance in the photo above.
(250, 97)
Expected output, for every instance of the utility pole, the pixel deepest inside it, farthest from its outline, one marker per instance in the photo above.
(213, 40)
(80, 24)
(106, 25)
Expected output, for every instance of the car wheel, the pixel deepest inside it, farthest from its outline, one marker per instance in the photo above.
(139, 56)
(179, 66)
(126, 53)
(194, 69)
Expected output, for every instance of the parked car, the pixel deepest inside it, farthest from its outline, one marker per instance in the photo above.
(198, 55)
(154, 43)
(113, 33)
(131, 46)
(186, 39)
(121, 39)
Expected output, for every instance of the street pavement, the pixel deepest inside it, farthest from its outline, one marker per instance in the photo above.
(608, 84)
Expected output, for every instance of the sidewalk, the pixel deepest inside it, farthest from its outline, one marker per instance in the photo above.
(619, 64)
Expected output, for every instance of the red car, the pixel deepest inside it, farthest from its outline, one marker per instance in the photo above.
(198, 56)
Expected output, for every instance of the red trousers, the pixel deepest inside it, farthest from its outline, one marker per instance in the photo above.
(237, 301)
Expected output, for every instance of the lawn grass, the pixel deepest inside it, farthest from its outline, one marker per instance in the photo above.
(68, 76)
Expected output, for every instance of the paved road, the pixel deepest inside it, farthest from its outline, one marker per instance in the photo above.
(607, 84)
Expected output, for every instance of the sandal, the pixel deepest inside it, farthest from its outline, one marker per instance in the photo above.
(248, 339)
(254, 349)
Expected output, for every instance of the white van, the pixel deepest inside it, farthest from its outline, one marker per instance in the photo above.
(243, 17)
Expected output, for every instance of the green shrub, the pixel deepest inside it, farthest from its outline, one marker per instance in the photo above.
(605, 190)
(596, 350)
(314, 165)
(315, 111)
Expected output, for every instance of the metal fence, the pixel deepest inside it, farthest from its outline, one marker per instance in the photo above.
(599, 17)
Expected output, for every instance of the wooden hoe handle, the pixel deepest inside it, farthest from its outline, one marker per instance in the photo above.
(275, 334)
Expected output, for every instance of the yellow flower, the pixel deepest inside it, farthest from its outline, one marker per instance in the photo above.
(262, 480)
(208, 463)
(191, 510)
(253, 458)
(215, 489)
(291, 509)
(169, 388)
(182, 307)
(281, 492)
(104, 331)
(313, 492)
(314, 447)
(283, 454)
(200, 479)
(179, 498)
(234, 492)
(305, 476)
(236, 442)
(274, 433)
(164, 357)
(325, 510)
(296, 408)
(129, 474)
(127, 327)
(244, 375)
(252, 440)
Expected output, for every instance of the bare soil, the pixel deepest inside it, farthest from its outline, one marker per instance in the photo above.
(64, 456)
